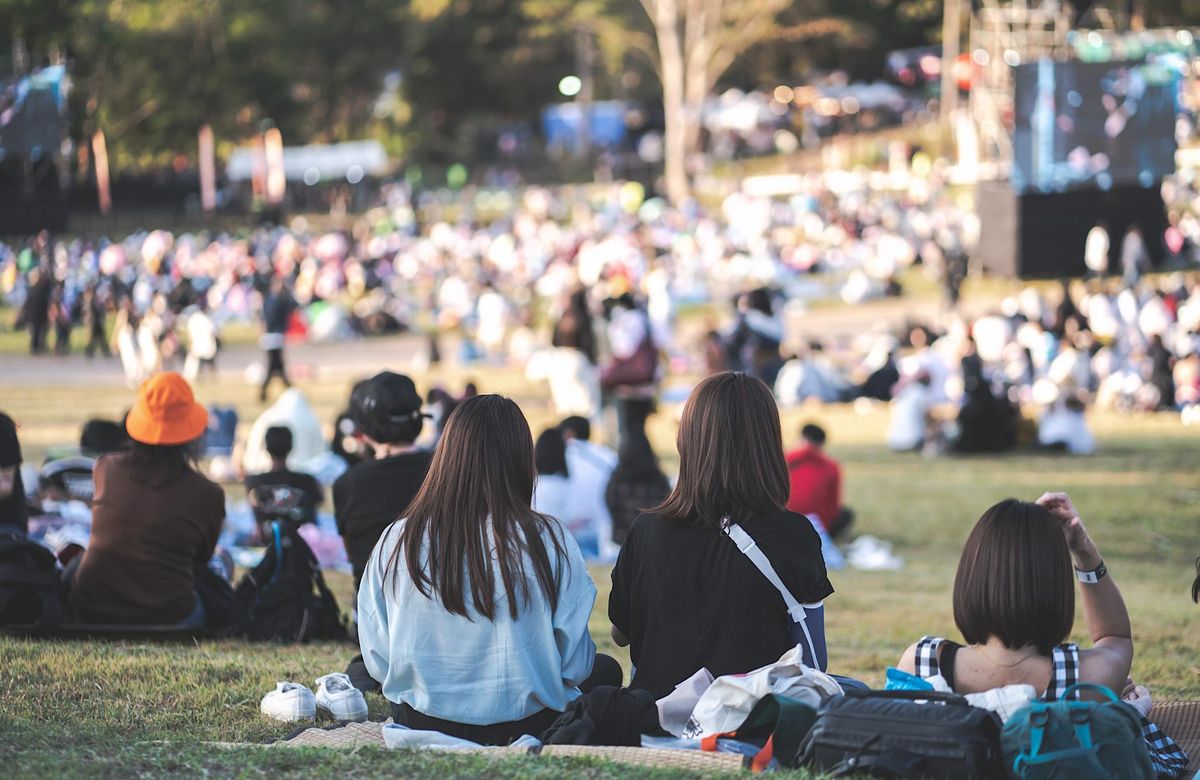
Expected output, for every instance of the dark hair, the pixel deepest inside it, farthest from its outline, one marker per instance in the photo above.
(102, 436)
(813, 433)
(158, 465)
(1015, 580)
(550, 453)
(387, 408)
(278, 440)
(472, 514)
(1196, 584)
(579, 427)
(731, 461)
(636, 458)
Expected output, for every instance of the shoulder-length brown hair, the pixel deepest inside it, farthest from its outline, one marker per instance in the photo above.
(476, 498)
(1015, 580)
(731, 460)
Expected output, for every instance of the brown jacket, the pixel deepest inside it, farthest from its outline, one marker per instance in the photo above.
(146, 543)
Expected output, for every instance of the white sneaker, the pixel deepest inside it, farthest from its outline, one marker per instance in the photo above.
(340, 698)
(289, 702)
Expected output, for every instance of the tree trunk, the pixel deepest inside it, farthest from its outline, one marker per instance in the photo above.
(670, 52)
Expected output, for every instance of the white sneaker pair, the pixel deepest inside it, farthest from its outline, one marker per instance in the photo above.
(292, 702)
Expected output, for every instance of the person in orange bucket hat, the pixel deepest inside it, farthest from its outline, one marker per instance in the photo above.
(155, 522)
(166, 412)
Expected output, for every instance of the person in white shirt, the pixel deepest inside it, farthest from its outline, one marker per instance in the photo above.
(473, 609)
(590, 466)
(1064, 426)
(908, 427)
(492, 316)
(1095, 250)
(202, 342)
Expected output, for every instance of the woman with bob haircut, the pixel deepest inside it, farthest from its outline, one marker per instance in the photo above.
(1014, 603)
(473, 609)
(684, 595)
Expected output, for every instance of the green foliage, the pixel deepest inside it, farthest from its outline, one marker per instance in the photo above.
(150, 72)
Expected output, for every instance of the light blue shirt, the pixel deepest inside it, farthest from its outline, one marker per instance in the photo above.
(477, 671)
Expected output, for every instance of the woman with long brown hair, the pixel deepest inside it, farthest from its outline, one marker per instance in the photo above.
(473, 610)
(685, 594)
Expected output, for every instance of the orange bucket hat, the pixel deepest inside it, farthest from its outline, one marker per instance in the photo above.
(166, 412)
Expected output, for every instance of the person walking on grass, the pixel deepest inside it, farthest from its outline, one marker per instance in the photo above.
(278, 307)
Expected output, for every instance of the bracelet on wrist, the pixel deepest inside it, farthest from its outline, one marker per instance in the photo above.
(1093, 576)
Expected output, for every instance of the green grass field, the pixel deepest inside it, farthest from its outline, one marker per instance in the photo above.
(132, 709)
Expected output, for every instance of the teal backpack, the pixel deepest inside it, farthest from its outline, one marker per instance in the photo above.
(1069, 739)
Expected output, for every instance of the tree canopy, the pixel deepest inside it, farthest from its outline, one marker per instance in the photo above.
(422, 74)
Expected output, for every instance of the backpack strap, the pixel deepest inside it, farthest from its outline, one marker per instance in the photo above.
(748, 547)
(1064, 665)
(926, 661)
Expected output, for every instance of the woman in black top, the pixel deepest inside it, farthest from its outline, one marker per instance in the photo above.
(683, 596)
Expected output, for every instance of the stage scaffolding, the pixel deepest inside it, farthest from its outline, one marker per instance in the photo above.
(1002, 36)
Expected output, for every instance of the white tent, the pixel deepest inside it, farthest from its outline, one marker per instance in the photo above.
(353, 159)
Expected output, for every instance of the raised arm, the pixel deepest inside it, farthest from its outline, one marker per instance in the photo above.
(1103, 607)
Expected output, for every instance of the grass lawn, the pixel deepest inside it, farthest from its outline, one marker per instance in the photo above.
(124, 709)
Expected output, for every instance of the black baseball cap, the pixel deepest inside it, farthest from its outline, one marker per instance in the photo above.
(387, 408)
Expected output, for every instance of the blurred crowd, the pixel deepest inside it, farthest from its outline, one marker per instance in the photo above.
(582, 288)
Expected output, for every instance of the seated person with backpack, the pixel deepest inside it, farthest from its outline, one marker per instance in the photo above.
(1014, 602)
(282, 494)
(155, 519)
(473, 610)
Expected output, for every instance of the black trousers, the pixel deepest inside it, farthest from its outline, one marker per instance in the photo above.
(275, 368)
(97, 341)
(605, 671)
(37, 337)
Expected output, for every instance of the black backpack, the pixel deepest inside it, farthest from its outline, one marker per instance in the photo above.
(30, 583)
(890, 734)
(284, 598)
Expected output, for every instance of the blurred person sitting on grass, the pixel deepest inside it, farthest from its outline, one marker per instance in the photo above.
(282, 493)
(155, 521)
(816, 483)
(636, 484)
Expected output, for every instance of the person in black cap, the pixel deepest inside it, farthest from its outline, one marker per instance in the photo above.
(386, 410)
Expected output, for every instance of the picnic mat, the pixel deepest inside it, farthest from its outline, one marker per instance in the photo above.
(1180, 720)
(353, 735)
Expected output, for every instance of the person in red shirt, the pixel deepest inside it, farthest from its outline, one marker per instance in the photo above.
(816, 483)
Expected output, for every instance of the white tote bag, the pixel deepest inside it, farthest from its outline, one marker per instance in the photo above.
(728, 701)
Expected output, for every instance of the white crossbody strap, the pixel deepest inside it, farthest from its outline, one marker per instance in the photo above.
(748, 547)
(751, 550)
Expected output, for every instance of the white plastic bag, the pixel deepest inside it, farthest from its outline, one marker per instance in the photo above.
(728, 701)
(675, 709)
